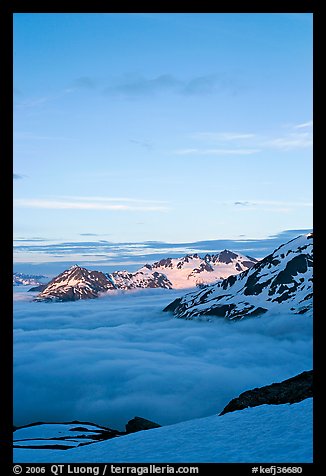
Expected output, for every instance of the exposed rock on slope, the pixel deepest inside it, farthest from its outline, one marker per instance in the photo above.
(74, 284)
(125, 280)
(79, 283)
(292, 390)
(282, 278)
(61, 436)
(139, 424)
(192, 270)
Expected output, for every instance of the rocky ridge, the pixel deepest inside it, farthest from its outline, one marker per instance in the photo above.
(282, 280)
(186, 272)
(292, 390)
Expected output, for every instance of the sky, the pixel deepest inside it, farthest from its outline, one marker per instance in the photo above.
(132, 359)
(175, 128)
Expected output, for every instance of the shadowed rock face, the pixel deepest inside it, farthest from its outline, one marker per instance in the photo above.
(292, 390)
(74, 284)
(226, 256)
(139, 424)
(39, 288)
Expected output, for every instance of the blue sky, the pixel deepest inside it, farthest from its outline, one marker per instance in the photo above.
(161, 127)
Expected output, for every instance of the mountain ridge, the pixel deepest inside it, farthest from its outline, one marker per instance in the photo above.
(23, 279)
(284, 276)
(169, 273)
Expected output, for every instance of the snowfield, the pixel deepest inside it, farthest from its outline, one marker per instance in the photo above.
(268, 433)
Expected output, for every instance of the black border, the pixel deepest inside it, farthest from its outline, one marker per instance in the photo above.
(6, 332)
(7, 9)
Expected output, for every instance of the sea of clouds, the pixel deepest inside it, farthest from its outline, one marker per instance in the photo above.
(110, 359)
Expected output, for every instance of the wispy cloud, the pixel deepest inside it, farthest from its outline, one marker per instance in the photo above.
(132, 85)
(91, 203)
(142, 143)
(218, 152)
(102, 253)
(136, 85)
(298, 136)
(89, 234)
(279, 206)
(32, 239)
(304, 125)
(113, 199)
(207, 84)
(290, 141)
(243, 204)
(30, 103)
(273, 202)
(223, 136)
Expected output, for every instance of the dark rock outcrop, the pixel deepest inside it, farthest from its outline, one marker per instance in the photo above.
(292, 390)
(38, 289)
(139, 424)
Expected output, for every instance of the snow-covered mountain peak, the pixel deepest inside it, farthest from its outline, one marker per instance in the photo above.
(226, 256)
(185, 272)
(75, 266)
(285, 276)
(22, 279)
(193, 270)
(171, 273)
(75, 283)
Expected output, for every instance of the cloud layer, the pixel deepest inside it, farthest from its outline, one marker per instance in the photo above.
(108, 360)
(49, 257)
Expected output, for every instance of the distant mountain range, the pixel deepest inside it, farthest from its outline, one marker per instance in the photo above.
(283, 281)
(186, 272)
(21, 279)
(231, 285)
(193, 270)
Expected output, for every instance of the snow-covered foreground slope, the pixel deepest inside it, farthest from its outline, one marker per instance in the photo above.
(281, 282)
(268, 433)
